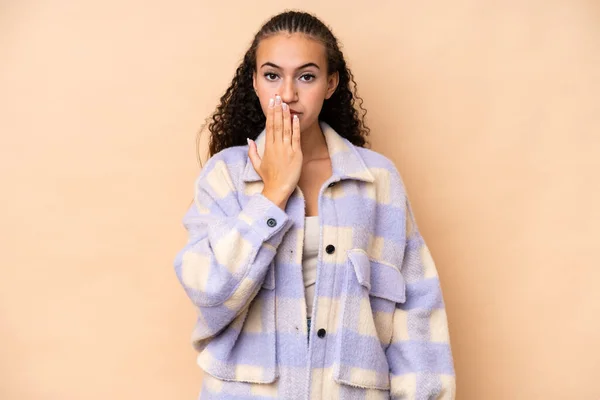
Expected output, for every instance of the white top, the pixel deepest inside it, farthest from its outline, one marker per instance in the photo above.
(309, 260)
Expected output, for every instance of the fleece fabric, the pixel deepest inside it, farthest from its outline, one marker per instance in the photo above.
(378, 325)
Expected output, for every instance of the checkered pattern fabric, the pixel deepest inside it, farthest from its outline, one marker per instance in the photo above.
(379, 328)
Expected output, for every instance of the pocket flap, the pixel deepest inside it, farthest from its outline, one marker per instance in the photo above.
(382, 280)
(362, 267)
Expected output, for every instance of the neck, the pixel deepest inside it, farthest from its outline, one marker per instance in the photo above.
(313, 143)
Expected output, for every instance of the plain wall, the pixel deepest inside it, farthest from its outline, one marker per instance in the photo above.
(490, 109)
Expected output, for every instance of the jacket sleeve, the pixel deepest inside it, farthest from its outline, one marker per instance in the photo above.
(419, 355)
(229, 250)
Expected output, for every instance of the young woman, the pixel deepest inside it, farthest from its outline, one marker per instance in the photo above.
(304, 262)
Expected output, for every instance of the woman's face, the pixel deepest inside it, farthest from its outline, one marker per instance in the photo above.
(294, 67)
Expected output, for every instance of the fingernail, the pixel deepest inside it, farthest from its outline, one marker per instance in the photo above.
(277, 100)
(295, 117)
(271, 103)
(248, 141)
(284, 106)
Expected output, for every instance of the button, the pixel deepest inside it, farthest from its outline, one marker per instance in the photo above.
(330, 248)
(271, 222)
(321, 333)
(332, 184)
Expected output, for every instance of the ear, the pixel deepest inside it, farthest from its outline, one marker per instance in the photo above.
(332, 83)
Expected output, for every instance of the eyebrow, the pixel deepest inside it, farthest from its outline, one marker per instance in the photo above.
(310, 64)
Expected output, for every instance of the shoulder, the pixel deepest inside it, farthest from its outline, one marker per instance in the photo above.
(223, 170)
(389, 187)
(374, 159)
(230, 158)
(380, 166)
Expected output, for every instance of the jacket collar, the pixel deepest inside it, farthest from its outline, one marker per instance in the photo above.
(346, 162)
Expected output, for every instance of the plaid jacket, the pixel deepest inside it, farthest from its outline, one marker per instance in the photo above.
(379, 327)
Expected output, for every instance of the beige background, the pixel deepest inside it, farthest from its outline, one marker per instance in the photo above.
(490, 109)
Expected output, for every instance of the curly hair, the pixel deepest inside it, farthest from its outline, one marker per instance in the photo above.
(239, 115)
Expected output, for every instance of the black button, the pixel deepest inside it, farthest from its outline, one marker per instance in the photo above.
(332, 184)
(330, 248)
(321, 333)
(271, 222)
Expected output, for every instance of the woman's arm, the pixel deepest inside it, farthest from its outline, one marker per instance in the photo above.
(420, 358)
(229, 250)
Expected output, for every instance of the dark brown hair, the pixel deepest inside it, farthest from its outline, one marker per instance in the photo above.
(239, 115)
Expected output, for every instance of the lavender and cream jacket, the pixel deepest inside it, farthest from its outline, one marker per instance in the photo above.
(379, 326)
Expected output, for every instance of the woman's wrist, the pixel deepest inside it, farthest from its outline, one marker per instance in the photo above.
(277, 197)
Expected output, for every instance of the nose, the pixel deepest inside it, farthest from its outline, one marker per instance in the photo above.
(288, 91)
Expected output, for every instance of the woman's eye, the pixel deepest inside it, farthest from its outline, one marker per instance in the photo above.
(270, 76)
(307, 77)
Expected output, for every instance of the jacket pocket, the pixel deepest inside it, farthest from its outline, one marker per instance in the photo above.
(245, 351)
(370, 292)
